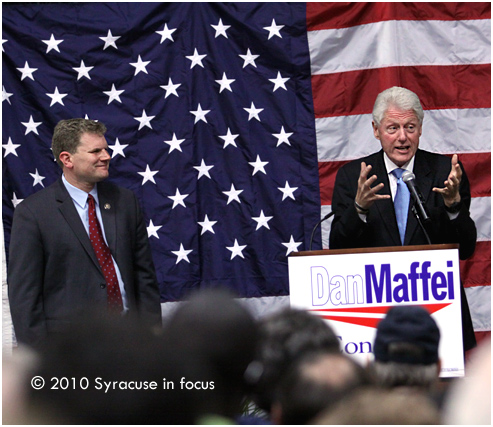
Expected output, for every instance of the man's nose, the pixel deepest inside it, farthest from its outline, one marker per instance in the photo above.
(402, 134)
(105, 155)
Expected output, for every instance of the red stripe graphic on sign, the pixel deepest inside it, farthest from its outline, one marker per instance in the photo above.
(371, 322)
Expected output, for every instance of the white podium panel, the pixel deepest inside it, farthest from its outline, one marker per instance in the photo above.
(353, 290)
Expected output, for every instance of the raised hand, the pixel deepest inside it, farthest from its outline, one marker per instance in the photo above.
(366, 194)
(450, 192)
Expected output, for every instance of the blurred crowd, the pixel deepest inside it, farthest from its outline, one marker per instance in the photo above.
(214, 363)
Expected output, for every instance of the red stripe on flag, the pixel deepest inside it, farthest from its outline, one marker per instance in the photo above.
(327, 174)
(478, 169)
(322, 16)
(476, 271)
(438, 87)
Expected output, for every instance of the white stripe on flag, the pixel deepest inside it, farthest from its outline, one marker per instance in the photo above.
(479, 299)
(481, 214)
(400, 43)
(444, 131)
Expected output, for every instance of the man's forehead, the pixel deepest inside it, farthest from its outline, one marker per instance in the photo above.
(92, 139)
(395, 114)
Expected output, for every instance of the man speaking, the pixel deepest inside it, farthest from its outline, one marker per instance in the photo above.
(373, 205)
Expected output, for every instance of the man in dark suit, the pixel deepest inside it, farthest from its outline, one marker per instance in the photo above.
(54, 274)
(364, 214)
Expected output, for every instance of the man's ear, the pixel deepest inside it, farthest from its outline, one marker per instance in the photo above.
(66, 158)
(375, 130)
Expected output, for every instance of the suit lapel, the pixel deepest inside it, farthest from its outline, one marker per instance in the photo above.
(385, 208)
(69, 213)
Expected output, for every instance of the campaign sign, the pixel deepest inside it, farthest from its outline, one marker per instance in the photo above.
(354, 289)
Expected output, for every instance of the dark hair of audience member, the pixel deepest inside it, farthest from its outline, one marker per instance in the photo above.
(217, 329)
(284, 337)
(314, 383)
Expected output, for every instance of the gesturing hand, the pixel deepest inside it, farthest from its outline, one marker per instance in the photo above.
(450, 192)
(366, 194)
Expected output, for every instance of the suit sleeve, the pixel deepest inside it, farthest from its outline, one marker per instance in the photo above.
(25, 277)
(462, 229)
(347, 227)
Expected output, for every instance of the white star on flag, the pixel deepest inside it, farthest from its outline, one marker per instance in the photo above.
(170, 88)
(279, 82)
(282, 137)
(83, 70)
(27, 71)
(3, 41)
(196, 59)
(220, 29)
(31, 126)
(165, 33)
(56, 97)
(10, 148)
(274, 30)
(38, 179)
(203, 170)
(144, 120)
(200, 114)
(174, 143)
(114, 95)
(16, 201)
(292, 246)
(152, 229)
(287, 191)
(236, 249)
(52, 44)
(140, 66)
(207, 225)
(178, 199)
(249, 59)
(6, 95)
(148, 175)
(233, 194)
(258, 165)
(253, 112)
(229, 139)
(118, 148)
(262, 220)
(225, 83)
(109, 40)
(182, 254)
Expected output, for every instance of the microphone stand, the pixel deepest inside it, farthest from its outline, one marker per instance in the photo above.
(415, 212)
(316, 226)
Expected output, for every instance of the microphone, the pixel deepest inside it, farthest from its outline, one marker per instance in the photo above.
(410, 179)
(318, 223)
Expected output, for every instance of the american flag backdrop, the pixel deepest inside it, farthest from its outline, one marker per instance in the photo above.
(229, 121)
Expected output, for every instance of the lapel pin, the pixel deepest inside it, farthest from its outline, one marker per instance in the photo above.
(107, 206)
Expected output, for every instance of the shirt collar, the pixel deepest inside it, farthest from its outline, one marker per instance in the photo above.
(79, 196)
(390, 165)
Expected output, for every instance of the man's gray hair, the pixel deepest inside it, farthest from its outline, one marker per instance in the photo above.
(398, 97)
(394, 374)
(67, 134)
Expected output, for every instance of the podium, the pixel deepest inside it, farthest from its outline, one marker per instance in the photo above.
(352, 289)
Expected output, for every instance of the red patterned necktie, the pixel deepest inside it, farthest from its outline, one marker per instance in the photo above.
(103, 254)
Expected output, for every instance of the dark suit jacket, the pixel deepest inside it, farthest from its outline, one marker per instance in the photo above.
(431, 170)
(53, 273)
